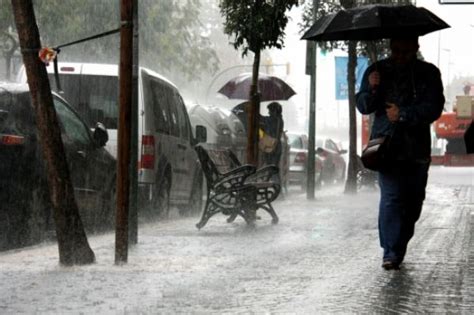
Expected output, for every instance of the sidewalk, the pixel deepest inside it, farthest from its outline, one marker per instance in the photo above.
(323, 256)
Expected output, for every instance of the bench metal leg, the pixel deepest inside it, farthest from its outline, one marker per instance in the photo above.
(209, 210)
(232, 217)
(271, 211)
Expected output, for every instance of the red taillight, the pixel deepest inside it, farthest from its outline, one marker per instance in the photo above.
(148, 152)
(11, 139)
(300, 157)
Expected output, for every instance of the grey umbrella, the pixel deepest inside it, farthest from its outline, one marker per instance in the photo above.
(373, 22)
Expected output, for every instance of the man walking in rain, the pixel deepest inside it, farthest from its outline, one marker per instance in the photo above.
(406, 96)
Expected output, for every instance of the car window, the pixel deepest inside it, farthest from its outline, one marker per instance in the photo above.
(73, 129)
(173, 111)
(295, 141)
(182, 117)
(159, 106)
(331, 145)
(94, 97)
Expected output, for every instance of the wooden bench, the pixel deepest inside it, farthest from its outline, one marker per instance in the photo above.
(234, 189)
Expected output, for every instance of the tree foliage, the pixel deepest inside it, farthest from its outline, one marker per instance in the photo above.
(256, 24)
(172, 36)
(170, 33)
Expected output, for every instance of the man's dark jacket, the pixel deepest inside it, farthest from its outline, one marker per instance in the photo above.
(418, 91)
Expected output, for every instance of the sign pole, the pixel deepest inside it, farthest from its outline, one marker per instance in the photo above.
(311, 70)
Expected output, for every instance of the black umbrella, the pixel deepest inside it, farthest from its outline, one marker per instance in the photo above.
(373, 22)
(271, 88)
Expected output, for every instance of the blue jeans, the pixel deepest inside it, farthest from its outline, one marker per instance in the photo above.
(402, 191)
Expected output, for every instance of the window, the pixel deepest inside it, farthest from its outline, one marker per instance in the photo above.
(159, 106)
(173, 106)
(72, 128)
(331, 145)
(182, 117)
(94, 97)
(295, 142)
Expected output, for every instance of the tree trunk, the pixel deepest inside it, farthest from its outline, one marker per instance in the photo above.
(72, 241)
(253, 114)
(351, 183)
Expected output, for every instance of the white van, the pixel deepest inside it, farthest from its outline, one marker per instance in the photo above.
(168, 167)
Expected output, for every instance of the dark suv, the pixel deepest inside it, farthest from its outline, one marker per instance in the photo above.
(25, 211)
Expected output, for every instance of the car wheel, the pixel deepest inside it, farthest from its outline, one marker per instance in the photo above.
(161, 200)
(328, 174)
(318, 183)
(195, 201)
(303, 185)
(342, 177)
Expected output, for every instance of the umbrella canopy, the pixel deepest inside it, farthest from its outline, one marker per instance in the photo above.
(373, 22)
(271, 88)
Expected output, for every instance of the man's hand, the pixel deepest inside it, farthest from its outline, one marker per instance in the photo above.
(393, 112)
(374, 79)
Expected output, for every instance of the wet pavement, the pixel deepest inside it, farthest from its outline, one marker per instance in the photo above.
(323, 257)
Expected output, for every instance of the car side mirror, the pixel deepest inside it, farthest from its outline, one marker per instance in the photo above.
(100, 135)
(319, 150)
(343, 151)
(201, 134)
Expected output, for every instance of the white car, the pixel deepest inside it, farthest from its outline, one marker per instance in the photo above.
(168, 168)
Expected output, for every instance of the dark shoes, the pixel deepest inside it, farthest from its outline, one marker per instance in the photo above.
(390, 265)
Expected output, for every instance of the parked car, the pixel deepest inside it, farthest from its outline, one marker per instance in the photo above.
(168, 169)
(298, 159)
(330, 166)
(25, 211)
(334, 164)
(239, 135)
(224, 129)
(219, 134)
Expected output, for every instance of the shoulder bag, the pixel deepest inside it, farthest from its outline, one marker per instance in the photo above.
(375, 153)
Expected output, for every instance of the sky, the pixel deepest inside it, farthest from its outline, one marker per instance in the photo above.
(454, 45)
(451, 49)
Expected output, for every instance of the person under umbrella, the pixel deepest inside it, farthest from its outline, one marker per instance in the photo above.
(406, 95)
(272, 125)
